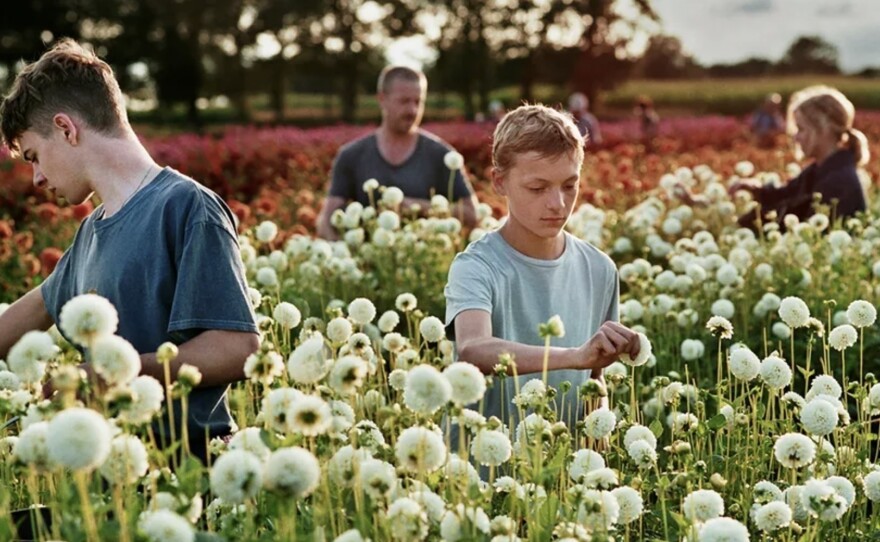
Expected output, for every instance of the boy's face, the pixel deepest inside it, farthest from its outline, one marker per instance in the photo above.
(53, 163)
(403, 105)
(541, 192)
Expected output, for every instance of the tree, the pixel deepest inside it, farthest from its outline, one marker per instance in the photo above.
(665, 58)
(810, 54)
(605, 59)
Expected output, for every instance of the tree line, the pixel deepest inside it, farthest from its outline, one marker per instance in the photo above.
(185, 49)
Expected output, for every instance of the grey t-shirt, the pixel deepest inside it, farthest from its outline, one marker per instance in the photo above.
(422, 175)
(169, 262)
(521, 292)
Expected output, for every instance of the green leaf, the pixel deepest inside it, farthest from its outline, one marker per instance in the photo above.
(656, 427)
(717, 422)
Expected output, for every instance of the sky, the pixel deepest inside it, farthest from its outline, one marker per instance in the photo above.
(725, 31)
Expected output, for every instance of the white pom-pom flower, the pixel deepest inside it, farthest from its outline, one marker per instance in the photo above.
(644, 353)
(115, 360)
(79, 439)
(468, 383)
(236, 476)
(87, 317)
(293, 472)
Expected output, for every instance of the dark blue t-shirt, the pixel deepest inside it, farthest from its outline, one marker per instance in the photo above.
(169, 262)
(422, 175)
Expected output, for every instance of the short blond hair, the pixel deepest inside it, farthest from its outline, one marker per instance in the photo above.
(535, 128)
(825, 107)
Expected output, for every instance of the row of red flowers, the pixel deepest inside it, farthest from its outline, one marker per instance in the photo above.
(280, 174)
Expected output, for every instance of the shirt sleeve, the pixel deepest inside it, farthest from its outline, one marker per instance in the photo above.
(211, 289)
(342, 182)
(612, 312)
(468, 287)
(56, 290)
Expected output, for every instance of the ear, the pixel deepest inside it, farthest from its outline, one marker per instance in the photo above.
(68, 128)
(499, 182)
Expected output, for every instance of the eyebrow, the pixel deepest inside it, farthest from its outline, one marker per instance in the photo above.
(542, 180)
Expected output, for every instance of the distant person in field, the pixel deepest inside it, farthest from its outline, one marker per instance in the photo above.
(586, 122)
(512, 280)
(649, 121)
(399, 154)
(767, 122)
(820, 121)
(161, 247)
(496, 111)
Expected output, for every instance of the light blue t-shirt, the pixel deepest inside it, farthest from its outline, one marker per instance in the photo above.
(520, 292)
(169, 262)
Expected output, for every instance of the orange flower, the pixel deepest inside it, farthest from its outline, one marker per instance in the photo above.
(24, 240)
(5, 229)
(307, 217)
(49, 259)
(47, 211)
(81, 211)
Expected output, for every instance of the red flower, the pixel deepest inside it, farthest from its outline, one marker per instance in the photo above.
(81, 211)
(49, 259)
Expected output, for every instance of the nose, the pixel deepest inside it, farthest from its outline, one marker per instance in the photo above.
(555, 199)
(40, 180)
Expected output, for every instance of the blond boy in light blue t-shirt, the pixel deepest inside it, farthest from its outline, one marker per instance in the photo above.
(506, 284)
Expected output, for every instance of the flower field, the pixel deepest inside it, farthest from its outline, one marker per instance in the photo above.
(751, 412)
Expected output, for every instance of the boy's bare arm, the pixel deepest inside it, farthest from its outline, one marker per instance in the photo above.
(27, 314)
(476, 345)
(218, 354)
(325, 229)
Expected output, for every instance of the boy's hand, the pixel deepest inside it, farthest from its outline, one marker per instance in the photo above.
(749, 185)
(607, 344)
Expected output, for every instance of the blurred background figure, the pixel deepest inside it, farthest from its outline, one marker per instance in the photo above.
(649, 121)
(496, 111)
(767, 122)
(579, 107)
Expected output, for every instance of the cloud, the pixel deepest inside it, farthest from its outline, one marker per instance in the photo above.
(750, 6)
(841, 9)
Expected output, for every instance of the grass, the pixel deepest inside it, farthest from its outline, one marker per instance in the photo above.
(733, 96)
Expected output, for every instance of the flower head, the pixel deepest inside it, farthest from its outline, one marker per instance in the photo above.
(287, 315)
(79, 439)
(426, 389)
(600, 423)
(842, 337)
(775, 372)
(743, 363)
(28, 357)
(645, 350)
(292, 472)
(236, 476)
(453, 160)
(819, 417)
(794, 450)
(723, 530)
(720, 326)
(491, 447)
(165, 526)
(420, 450)
(308, 364)
(703, 505)
(794, 312)
(127, 461)
(309, 415)
(432, 329)
(87, 317)
(861, 313)
(467, 382)
(361, 311)
(115, 359)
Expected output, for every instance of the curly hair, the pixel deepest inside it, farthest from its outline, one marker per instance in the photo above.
(70, 79)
